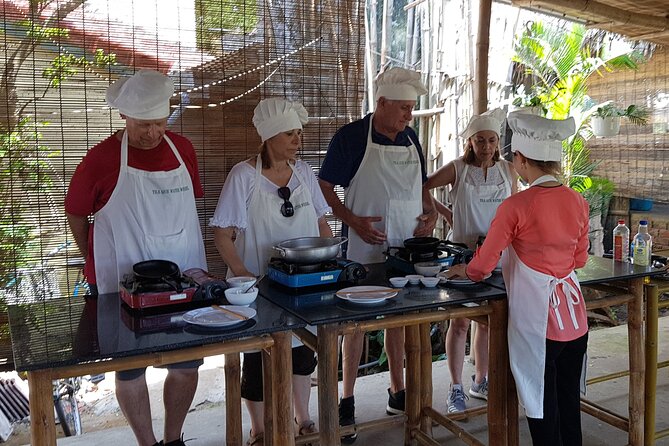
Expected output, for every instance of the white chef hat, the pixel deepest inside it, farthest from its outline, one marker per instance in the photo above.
(144, 95)
(275, 115)
(539, 138)
(399, 84)
(490, 120)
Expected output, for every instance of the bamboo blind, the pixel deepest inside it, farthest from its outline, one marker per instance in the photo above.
(224, 56)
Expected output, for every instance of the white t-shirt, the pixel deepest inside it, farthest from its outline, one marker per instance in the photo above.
(232, 207)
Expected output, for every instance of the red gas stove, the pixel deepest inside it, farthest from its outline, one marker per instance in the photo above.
(139, 294)
(193, 286)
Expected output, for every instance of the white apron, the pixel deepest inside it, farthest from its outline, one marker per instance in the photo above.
(150, 215)
(267, 227)
(531, 295)
(474, 207)
(388, 184)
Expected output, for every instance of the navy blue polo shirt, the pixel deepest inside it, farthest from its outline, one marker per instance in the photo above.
(347, 148)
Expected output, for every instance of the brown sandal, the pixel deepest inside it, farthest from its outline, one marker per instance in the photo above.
(255, 440)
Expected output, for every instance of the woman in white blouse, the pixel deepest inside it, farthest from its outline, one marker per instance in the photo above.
(265, 200)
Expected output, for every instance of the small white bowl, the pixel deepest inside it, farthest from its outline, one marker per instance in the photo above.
(240, 281)
(237, 296)
(414, 279)
(430, 282)
(398, 282)
(427, 269)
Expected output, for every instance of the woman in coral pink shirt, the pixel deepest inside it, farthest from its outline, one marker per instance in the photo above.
(543, 234)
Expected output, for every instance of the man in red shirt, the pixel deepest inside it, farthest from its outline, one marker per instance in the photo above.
(132, 198)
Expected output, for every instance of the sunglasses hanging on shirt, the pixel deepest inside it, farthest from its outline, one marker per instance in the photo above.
(287, 209)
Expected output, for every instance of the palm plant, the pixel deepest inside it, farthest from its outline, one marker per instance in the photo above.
(555, 63)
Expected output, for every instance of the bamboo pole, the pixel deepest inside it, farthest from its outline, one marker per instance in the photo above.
(652, 297)
(268, 397)
(282, 388)
(425, 439)
(233, 400)
(499, 376)
(453, 427)
(599, 9)
(42, 422)
(328, 421)
(605, 415)
(637, 364)
(161, 358)
(482, 46)
(425, 377)
(412, 347)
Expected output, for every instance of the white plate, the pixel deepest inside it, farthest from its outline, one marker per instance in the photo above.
(460, 282)
(211, 317)
(375, 296)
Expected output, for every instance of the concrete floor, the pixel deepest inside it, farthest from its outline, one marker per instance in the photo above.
(205, 425)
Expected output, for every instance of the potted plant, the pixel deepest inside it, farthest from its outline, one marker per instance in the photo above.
(530, 104)
(605, 120)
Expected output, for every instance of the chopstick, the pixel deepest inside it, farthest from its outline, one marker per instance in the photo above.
(354, 293)
(230, 312)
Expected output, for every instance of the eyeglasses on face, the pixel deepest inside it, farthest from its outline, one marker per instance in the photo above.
(287, 209)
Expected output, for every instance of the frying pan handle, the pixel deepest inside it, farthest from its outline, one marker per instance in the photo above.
(175, 284)
(280, 250)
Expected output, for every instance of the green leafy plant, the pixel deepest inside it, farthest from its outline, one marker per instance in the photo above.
(556, 62)
(635, 114)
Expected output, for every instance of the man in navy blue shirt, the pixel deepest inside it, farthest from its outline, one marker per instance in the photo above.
(379, 163)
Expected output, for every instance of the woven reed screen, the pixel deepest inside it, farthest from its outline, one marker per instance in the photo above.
(637, 159)
(58, 58)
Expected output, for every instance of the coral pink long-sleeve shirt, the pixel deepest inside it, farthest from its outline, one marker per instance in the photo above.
(548, 229)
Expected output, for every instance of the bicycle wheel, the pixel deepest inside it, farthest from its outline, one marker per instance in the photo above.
(67, 410)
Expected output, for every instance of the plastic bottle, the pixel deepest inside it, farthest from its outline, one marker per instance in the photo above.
(643, 244)
(621, 242)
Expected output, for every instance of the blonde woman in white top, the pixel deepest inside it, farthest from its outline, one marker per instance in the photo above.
(479, 181)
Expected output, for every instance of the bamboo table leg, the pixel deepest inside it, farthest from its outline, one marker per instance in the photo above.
(282, 388)
(233, 400)
(425, 377)
(42, 422)
(268, 396)
(328, 419)
(652, 296)
(637, 365)
(413, 382)
(498, 415)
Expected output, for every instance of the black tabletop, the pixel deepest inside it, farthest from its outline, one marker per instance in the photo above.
(321, 306)
(600, 270)
(67, 331)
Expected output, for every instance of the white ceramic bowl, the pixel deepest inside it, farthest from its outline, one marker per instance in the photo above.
(240, 281)
(414, 279)
(236, 296)
(427, 269)
(398, 282)
(430, 282)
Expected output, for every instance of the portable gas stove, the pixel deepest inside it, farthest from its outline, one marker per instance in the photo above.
(447, 254)
(140, 294)
(295, 275)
